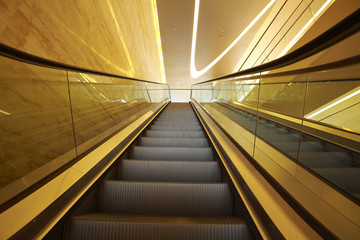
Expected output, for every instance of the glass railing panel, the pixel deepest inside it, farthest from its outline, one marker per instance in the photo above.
(229, 107)
(156, 92)
(280, 112)
(103, 105)
(338, 113)
(287, 111)
(340, 107)
(36, 134)
(203, 93)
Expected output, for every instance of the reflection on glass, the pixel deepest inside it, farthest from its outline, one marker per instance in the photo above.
(229, 103)
(42, 108)
(36, 128)
(103, 105)
(303, 116)
(340, 107)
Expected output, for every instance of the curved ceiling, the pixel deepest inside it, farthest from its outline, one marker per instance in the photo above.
(219, 26)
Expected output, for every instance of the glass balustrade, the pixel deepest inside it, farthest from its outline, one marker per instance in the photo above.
(311, 117)
(48, 117)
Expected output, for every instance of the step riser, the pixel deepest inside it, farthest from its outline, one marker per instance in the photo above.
(176, 123)
(174, 134)
(166, 199)
(175, 128)
(173, 154)
(88, 230)
(279, 137)
(163, 171)
(174, 142)
(293, 146)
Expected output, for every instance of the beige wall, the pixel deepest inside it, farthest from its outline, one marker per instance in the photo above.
(111, 36)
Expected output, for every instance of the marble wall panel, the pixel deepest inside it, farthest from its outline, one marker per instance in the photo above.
(111, 36)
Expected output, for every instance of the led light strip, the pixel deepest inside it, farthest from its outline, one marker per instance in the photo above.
(334, 104)
(194, 72)
(157, 27)
(3, 112)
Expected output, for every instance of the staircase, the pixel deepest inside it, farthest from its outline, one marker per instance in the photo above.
(169, 187)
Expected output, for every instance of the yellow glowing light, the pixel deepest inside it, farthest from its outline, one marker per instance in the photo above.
(3, 112)
(333, 104)
(157, 28)
(88, 78)
(130, 72)
(194, 72)
(120, 34)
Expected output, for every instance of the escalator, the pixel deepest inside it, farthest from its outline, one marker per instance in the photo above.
(332, 162)
(169, 186)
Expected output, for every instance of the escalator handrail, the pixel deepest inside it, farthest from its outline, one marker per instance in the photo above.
(12, 53)
(342, 30)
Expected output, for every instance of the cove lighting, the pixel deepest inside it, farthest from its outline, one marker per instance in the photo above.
(3, 112)
(333, 104)
(194, 72)
(157, 28)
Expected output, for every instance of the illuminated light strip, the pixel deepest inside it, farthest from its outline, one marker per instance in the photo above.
(88, 79)
(194, 72)
(130, 72)
(123, 71)
(157, 28)
(333, 104)
(3, 112)
(303, 30)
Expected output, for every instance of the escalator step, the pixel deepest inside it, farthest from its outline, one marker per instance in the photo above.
(346, 178)
(182, 199)
(172, 153)
(138, 227)
(175, 128)
(169, 171)
(177, 122)
(293, 146)
(175, 134)
(324, 159)
(270, 131)
(271, 137)
(174, 142)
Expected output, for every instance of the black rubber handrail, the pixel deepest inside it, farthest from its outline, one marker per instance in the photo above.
(342, 30)
(22, 56)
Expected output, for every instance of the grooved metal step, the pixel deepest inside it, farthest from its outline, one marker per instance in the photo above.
(294, 146)
(175, 128)
(174, 142)
(325, 159)
(181, 199)
(346, 178)
(171, 153)
(174, 134)
(184, 123)
(138, 227)
(169, 171)
(273, 137)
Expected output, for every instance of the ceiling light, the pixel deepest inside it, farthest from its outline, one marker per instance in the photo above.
(194, 72)
(157, 27)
